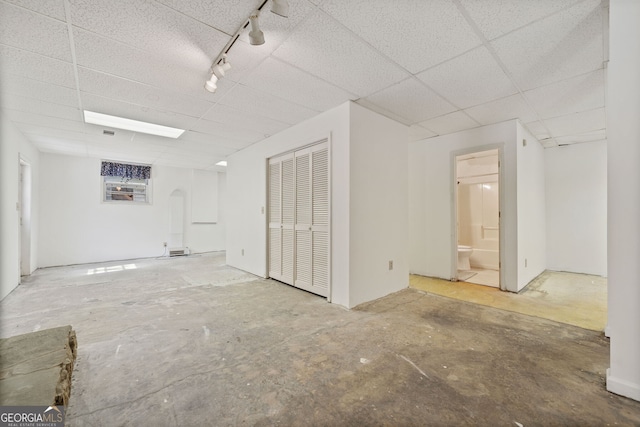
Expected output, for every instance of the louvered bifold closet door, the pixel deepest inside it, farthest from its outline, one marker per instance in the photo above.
(299, 218)
(303, 275)
(275, 223)
(320, 208)
(288, 219)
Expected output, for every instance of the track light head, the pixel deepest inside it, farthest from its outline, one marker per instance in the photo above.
(218, 71)
(256, 36)
(211, 85)
(280, 7)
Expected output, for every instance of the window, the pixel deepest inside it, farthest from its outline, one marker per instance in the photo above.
(126, 183)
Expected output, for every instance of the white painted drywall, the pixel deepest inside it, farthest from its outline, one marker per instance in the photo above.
(77, 227)
(576, 193)
(623, 192)
(378, 206)
(532, 258)
(247, 200)
(13, 146)
(368, 201)
(431, 183)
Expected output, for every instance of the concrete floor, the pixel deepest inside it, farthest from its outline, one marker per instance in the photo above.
(189, 342)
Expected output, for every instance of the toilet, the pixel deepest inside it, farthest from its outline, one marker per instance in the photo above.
(464, 252)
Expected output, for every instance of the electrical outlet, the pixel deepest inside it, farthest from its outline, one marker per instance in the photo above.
(242, 252)
(164, 244)
(390, 265)
(525, 262)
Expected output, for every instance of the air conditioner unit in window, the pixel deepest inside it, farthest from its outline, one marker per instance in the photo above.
(179, 251)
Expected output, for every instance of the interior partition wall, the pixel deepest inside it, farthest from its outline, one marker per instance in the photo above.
(298, 218)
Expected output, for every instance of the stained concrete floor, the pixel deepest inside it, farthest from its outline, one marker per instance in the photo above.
(576, 299)
(190, 342)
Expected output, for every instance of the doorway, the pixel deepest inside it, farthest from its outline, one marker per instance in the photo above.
(24, 217)
(477, 211)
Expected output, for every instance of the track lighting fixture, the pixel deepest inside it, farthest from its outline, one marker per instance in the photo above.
(256, 36)
(211, 85)
(280, 7)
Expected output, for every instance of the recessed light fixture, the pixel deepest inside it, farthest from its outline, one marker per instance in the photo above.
(132, 125)
(222, 163)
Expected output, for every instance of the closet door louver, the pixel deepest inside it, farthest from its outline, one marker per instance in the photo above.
(320, 222)
(275, 231)
(303, 220)
(288, 217)
(299, 218)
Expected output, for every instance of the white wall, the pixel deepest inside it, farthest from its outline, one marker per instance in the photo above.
(13, 146)
(378, 206)
(77, 227)
(247, 201)
(532, 259)
(431, 181)
(623, 192)
(576, 189)
(368, 201)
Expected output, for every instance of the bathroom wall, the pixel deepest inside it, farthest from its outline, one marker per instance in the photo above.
(478, 208)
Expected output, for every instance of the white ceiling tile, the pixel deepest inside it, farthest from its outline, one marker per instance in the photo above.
(150, 26)
(208, 147)
(282, 80)
(449, 123)
(34, 32)
(35, 106)
(411, 100)
(581, 93)
(236, 135)
(538, 130)
(225, 15)
(511, 107)
(243, 59)
(597, 135)
(104, 55)
(222, 145)
(417, 132)
(254, 101)
(35, 89)
(34, 66)
(135, 112)
(563, 45)
(471, 79)
(414, 33)
(571, 124)
(52, 8)
(326, 49)
(109, 86)
(30, 118)
(498, 17)
(244, 120)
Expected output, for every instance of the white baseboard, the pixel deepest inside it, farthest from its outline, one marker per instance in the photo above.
(622, 387)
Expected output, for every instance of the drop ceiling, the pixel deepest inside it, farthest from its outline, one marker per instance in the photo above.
(439, 66)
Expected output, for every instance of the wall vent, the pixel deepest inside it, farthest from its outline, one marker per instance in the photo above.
(178, 251)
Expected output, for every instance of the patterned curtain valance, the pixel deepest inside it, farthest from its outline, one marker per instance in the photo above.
(125, 170)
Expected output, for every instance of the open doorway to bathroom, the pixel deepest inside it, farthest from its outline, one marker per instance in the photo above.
(477, 209)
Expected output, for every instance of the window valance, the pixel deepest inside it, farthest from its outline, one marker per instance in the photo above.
(125, 170)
